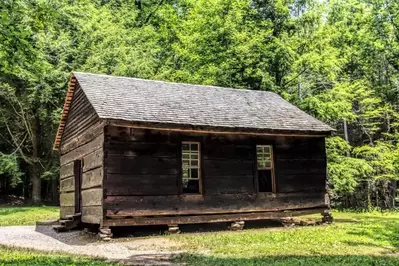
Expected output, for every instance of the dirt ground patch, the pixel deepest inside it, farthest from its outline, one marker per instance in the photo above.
(135, 251)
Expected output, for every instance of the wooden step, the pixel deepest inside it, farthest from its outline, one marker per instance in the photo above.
(59, 228)
(66, 223)
(73, 217)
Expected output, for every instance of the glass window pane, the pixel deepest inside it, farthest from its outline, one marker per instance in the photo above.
(194, 173)
(190, 167)
(186, 173)
(194, 146)
(264, 154)
(190, 186)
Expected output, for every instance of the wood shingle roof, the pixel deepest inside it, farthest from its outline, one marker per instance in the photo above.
(159, 102)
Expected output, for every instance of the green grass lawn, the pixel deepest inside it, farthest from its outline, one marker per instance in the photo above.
(25, 257)
(27, 215)
(354, 239)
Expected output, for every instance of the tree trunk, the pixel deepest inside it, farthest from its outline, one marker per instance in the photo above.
(36, 186)
(369, 206)
(346, 136)
(393, 193)
(300, 92)
(35, 168)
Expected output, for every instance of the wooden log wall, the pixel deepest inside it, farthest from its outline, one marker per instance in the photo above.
(83, 139)
(300, 164)
(81, 116)
(92, 177)
(142, 173)
(140, 164)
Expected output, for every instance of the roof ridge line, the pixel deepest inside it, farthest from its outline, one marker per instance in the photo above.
(178, 83)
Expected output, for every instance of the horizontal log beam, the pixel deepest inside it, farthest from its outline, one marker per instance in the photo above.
(211, 130)
(92, 197)
(66, 210)
(92, 178)
(66, 170)
(67, 185)
(92, 214)
(119, 206)
(67, 199)
(209, 218)
(93, 160)
(82, 151)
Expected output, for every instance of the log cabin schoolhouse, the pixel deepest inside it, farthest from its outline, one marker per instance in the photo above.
(146, 152)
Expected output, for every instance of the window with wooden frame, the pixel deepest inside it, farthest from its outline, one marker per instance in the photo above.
(191, 167)
(265, 168)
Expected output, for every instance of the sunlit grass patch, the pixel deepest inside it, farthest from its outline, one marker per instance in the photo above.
(354, 239)
(26, 257)
(27, 215)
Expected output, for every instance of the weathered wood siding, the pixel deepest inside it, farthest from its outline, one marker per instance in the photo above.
(83, 139)
(81, 116)
(300, 164)
(228, 165)
(142, 173)
(92, 177)
(140, 163)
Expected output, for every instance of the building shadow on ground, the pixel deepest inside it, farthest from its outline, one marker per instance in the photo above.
(159, 230)
(78, 237)
(89, 235)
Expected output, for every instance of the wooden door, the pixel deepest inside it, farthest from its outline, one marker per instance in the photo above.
(77, 166)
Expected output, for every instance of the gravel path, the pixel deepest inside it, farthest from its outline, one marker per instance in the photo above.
(133, 251)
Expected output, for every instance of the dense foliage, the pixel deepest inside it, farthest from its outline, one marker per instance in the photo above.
(337, 60)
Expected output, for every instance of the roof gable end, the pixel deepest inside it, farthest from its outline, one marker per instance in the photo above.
(78, 114)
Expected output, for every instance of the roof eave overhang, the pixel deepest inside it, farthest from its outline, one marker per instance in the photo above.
(215, 130)
(64, 116)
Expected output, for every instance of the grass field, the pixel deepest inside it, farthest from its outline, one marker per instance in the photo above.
(354, 239)
(27, 215)
(24, 257)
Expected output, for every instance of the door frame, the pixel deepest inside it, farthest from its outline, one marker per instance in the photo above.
(77, 173)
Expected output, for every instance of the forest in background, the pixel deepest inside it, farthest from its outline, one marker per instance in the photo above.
(338, 60)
